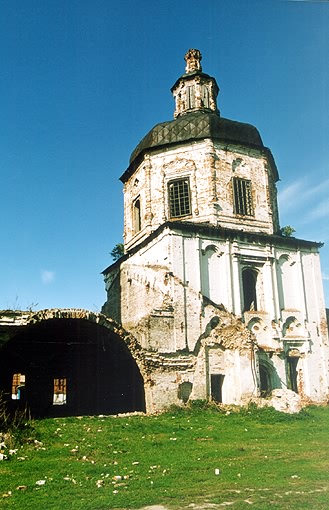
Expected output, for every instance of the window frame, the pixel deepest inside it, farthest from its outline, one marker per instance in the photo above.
(190, 97)
(242, 197)
(137, 218)
(179, 200)
(249, 278)
(18, 382)
(59, 391)
(205, 94)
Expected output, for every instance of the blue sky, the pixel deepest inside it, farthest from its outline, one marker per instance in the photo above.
(81, 83)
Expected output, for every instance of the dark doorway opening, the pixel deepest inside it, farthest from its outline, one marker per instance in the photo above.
(292, 373)
(70, 367)
(265, 387)
(249, 278)
(216, 387)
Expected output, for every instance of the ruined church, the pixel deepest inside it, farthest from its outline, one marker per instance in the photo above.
(211, 298)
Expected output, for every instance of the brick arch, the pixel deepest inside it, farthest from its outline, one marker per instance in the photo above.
(97, 318)
(73, 362)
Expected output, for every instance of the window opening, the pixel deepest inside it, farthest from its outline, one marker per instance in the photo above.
(184, 391)
(249, 279)
(18, 386)
(190, 97)
(59, 391)
(242, 197)
(179, 198)
(216, 387)
(292, 373)
(137, 215)
(205, 96)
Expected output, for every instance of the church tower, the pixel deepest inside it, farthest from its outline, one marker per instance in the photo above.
(208, 285)
(200, 167)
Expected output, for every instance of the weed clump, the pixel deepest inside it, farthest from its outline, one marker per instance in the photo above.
(15, 428)
(262, 414)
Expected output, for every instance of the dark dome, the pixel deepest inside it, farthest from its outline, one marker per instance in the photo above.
(195, 126)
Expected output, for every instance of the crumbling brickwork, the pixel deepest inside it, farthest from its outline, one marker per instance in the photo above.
(207, 273)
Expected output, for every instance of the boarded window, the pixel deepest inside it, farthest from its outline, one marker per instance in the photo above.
(179, 198)
(137, 215)
(60, 391)
(18, 386)
(242, 197)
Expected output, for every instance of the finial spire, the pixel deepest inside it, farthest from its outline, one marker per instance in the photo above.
(193, 61)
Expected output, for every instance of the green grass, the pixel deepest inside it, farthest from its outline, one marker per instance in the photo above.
(269, 459)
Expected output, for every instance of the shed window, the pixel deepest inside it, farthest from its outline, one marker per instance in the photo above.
(179, 198)
(18, 385)
(242, 197)
(59, 398)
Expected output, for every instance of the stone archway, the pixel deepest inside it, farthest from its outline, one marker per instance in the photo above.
(72, 362)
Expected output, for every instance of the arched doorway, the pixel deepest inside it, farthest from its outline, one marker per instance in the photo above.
(70, 366)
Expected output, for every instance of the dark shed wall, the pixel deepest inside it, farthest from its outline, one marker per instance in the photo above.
(101, 375)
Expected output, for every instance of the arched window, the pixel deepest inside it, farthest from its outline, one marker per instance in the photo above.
(137, 215)
(249, 279)
(289, 295)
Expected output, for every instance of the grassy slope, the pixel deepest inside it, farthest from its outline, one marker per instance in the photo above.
(266, 458)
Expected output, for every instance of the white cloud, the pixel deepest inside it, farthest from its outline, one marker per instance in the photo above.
(290, 192)
(305, 202)
(47, 276)
(321, 210)
(289, 197)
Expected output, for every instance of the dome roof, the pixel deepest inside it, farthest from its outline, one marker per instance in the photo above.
(197, 118)
(195, 126)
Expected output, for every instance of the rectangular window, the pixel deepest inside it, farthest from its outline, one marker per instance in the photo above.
(292, 373)
(242, 197)
(190, 97)
(59, 398)
(205, 96)
(179, 198)
(18, 384)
